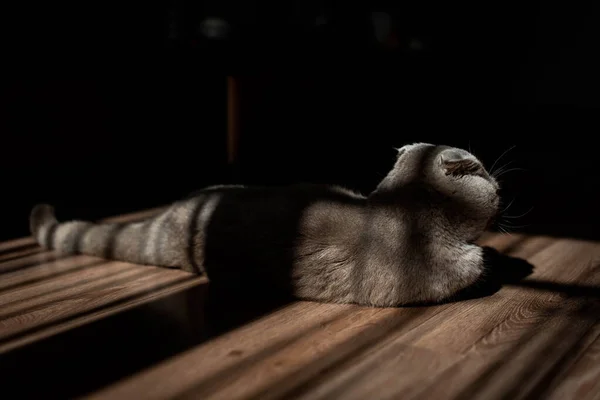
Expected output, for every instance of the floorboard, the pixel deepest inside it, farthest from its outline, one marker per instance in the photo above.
(85, 327)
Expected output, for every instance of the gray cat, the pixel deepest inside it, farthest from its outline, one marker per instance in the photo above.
(410, 241)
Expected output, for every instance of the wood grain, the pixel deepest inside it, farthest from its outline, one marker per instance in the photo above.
(582, 379)
(534, 338)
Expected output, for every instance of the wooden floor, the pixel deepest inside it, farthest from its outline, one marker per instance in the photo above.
(81, 327)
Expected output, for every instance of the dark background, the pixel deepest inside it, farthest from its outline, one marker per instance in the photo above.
(111, 107)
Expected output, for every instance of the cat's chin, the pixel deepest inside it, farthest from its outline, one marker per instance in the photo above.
(473, 234)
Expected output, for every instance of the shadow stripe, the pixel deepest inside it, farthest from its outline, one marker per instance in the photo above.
(47, 277)
(571, 290)
(16, 257)
(192, 233)
(101, 287)
(207, 385)
(18, 248)
(52, 258)
(484, 379)
(39, 328)
(67, 287)
(331, 369)
(564, 362)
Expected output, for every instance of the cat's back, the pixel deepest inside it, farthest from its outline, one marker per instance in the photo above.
(260, 228)
(278, 207)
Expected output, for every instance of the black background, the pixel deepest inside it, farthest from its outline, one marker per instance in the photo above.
(110, 107)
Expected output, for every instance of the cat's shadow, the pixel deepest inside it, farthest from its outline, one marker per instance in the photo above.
(233, 305)
(500, 269)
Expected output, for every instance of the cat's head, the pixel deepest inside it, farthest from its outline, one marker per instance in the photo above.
(471, 192)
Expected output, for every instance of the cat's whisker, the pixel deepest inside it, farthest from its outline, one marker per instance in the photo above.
(509, 225)
(510, 170)
(502, 225)
(519, 216)
(501, 155)
(513, 227)
(507, 207)
(499, 171)
(504, 230)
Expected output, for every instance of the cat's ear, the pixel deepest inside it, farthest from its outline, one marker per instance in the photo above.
(458, 163)
(400, 151)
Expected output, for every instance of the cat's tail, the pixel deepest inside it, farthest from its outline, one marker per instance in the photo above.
(136, 242)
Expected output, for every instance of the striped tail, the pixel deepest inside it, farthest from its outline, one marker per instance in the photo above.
(149, 242)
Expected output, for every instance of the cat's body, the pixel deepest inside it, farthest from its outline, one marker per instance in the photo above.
(408, 241)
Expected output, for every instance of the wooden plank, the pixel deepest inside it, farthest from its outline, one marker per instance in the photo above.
(511, 372)
(454, 325)
(582, 380)
(20, 252)
(43, 293)
(13, 245)
(50, 288)
(215, 362)
(29, 261)
(347, 337)
(60, 308)
(456, 329)
(39, 272)
(366, 372)
(385, 367)
(50, 294)
(60, 293)
(143, 295)
(526, 339)
(534, 329)
(307, 358)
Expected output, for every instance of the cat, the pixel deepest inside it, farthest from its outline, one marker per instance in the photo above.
(409, 241)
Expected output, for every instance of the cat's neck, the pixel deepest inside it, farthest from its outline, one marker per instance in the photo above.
(425, 212)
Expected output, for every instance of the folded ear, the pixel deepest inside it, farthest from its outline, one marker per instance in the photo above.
(457, 163)
(400, 150)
